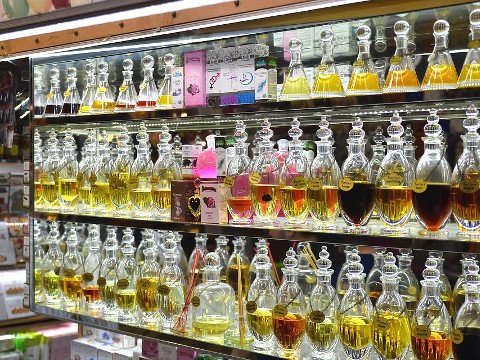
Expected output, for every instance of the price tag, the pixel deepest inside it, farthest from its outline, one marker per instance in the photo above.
(93, 179)
(299, 182)
(382, 323)
(143, 85)
(229, 181)
(469, 186)
(154, 180)
(419, 186)
(322, 67)
(101, 90)
(80, 177)
(422, 331)
(395, 60)
(195, 301)
(251, 307)
(412, 290)
(345, 184)
(69, 273)
(280, 310)
(122, 88)
(457, 336)
(315, 184)
(310, 279)
(163, 289)
(101, 281)
(67, 93)
(144, 283)
(50, 95)
(358, 63)
(393, 179)
(122, 284)
(254, 178)
(317, 316)
(87, 277)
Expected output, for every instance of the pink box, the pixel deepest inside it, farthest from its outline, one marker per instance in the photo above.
(186, 354)
(213, 202)
(149, 349)
(194, 78)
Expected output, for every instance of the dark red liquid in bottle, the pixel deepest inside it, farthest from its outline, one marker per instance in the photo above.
(143, 104)
(53, 109)
(38, 110)
(69, 108)
(357, 203)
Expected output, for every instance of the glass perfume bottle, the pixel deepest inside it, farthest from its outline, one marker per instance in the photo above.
(467, 321)
(458, 293)
(38, 170)
(140, 176)
(431, 193)
(322, 321)
(322, 191)
(68, 190)
(71, 100)
(342, 278)
(294, 180)
(391, 328)
(99, 178)
(38, 256)
(222, 252)
(177, 149)
(355, 313)
(127, 95)
(106, 282)
(306, 278)
(364, 79)
(357, 189)
(289, 321)
(441, 73)
(408, 286)
(401, 75)
(165, 170)
(327, 82)
(239, 199)
(466, 179)
(239, 258)
(51, 268)
(147, 242)
(93, 235)
(49, 175)
(295, 84)
(91, 272)
(378, 155)
(103, 102)
(470, 74)
(119, 179)
(393, 183)
(165, 90)
(147, 283)
(201, 249)
(409, 147)
(86, 168)
(431, 328)
(445, 289)
(148, 94)
(111, 240)
(282, 152)
(260, 246)
(182, 260)
(265, 179)
(54, 104)
(125, 294)
(90, 88)
(71, 274)
(262, 298)
(373, 284)
(39, 96)
(216, 304)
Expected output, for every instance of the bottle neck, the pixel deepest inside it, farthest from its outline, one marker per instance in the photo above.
(103, 79)
(327, 57)
(355, 148)
(430, 288)
(394, 146)
(390, 285)
(433, 146)
(440, 42)
(212, 275)
(472, 294)
(296, 58)
(364, 49)
(324, 147)
(147, 74)
(356, 281)
(71, 247)
(127, 77)
(240, 149)
(263, 273)
(401, 42)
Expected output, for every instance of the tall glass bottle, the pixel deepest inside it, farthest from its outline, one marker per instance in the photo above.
(165, 170)
(466, 179)
(295, 84)
(201, 249)
(51, 268)
(355, 313)
(282, 151)
(260, 246)
(470, 74)
(224, 256)
(289, 321)
(467, 322)
(265, 179)
(68, 174)
(86, 168)
(445, 289)
(458, 293)
(364, 79)
(342, 278)
(54, 104)
(393, 183)
(39, 96)
(357, 189)
(378, 151)
(239, 199)
(103, 102)
(305, 273)
(327, 82)
(409, 147)
(71, 274)
(165, 90)
(177, 149)
(216, 304)
(401, 75)
(441, 73)
(148, 94)
(125, 293)
(99, 179)
(91, 271)
(90, 88)
(38, 170)
(391, 328)
(322, 191)
(294, 179)
(239, 257)
(127, 95)
(431, 328)
(71, 100)
(140, 176)
(322, 321)
(106, 282)
(373, 284)
(119, 179)
(408, 286)
(147, 283)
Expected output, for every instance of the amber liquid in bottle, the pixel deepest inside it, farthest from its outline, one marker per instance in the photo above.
(126, 299)
(401, 79)
(437, 347)
(458, 298)
(374, 295)
(294, 202)
(289, 330)
(162, 198)
(433, 206)
(391, 343)
(147, 294)
(72, 287)
(144, 104)
(100, 194)
(232, 278)
(469, 347)
(266, 201)
(51, 284)
(440, 75)
(357, 203)
(394, 202)
(465, 205)
(91, 293)
(364, 81)
(103, 105)
(324, 202)
(470, 72)
(68, 190)
(124, 107)
(240, 207)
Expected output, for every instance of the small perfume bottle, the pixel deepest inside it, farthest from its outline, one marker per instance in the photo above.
(38, 170)
(408, 286)
(54, 103)
(86, 167)
(51, 268)
(378, 154)
(125, 294)
(147, 283)
(393, 183)
(106, 282)
(342, 278)
(409, 147)
(39, 256)
(91, 272)
(282, 153)
(147, 242)
(71, 274)
(201, 249)
(322, 321)
(355, 313)
(127, 95)
(401, 75)
(111, 240)
(305, 271)
(177, 149)
(364, 79)
(445, 289)
(239, 199)
(165, 90)
(295, 85)
(289, 314)
(99, 178)
(431, 193)
(68, 174)
(327, 82)
(90, 88)
(470, 74)
(441, 73)
(182, 260)
(458, 293)
(224, 256)
(373, 284)
(294, 179)
(148, 94)
(322, 191)
(71, 102)
(103, 101)
(239, 259)
(39, 96)
(431, 328)
(119, 179)
(357, 190)
(261, 245)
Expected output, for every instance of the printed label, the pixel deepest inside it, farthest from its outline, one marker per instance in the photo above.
(122, 284)
(154, 180)
(412, 290)
(195, 301)
(280, 310)
(144, 283)
(345, 184)
(457, 336)
(315, 184)
(395, 60)
(101, 281)
(358, 63)
(299, 182)
(69, 273)
(393, 179)
(93, 179)
(87, 277)
(251, 307)
(163, 289)
(382, 323)
(469, 186)
(322, 67)
(254, 178)
(67, 93)
(122, 88)
(422, 331)
(143, 86)
(419, 186)
(101, 90)
(317, 316)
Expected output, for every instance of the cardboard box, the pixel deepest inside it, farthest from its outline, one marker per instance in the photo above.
(123, 355)
(58, 340)
(212, 70)
(186, 354)
(7, 342)
(194, 78)
(167, 352)
(105, 351)
(150, 349)
(83, 349)
(190, 155)
(12, 355)
(118, 340)
(181, 191)
(213, 202)
(89, 332)
(178, 101)
(14, 307)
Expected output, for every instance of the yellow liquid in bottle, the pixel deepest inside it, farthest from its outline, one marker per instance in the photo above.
(327, 85)
(210, 327)
(261, 323)
(363, 83)
(101, 194)
(141, 199)
(119, 190)
(294, 203)
(72, 287)
(107, 106)
(440, 77)
(394, 203)
(49, 192)
(322, 335)
(51, 284)
(86, 195)
(38, 192)
(107, 293)
(68, 191)
(355, 332)
(126, 299)
(469, 76)
(323, 203)
(38, 282)
(266, 201)
(394, 340)
(162, 198)
(165, 101)
(401, 81)
(295, 88)
(147, 294)
(232, 278)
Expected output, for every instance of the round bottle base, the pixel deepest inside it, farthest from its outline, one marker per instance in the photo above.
(438, 87)
(395, 231)
(325, 227)
(356, 230)
(327, 95)
(240, 221)
(439, 234)
(293, 97)
(362, 92)
(400, 90)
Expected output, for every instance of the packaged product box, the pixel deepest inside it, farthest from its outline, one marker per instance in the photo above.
(178, 101)
(167, 352)
(213, 202)
(83, 349)
(11, 355)
(7, 342)
(228, 71)
(31, 345)
(186, 354)
(194, 78)
(106, 351)
(221, 155)
(124, 354)
(266, 78)
(89, 332)
(118, 340)
(190, 153)
(212, 70)
(7, 249)
(11, 282)
(58, 340)
(14, 307)
(182, 191)
(150, 348)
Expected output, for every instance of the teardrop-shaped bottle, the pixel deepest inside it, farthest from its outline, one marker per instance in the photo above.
(68, 173)
(470, 74)
(90, 88)
(373, 284)
(71, 273)
(99, 179)
(165, 90)
(201, 249)
(295, 85)
(91, 272)
(103, 101)
(106, 282)
(147, 283)
(86, 168)
(71, 100)
(51, 268)
(239, 258)
(119, 179)
(54, 104)
(408, 286)
(148, 94)
(342, 278)
(458, 292)
(39, 96)
(38, 170)
(224, 256)
(125, 294)
(127, 95)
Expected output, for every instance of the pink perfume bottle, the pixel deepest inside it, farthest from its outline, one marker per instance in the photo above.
(207, 161)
